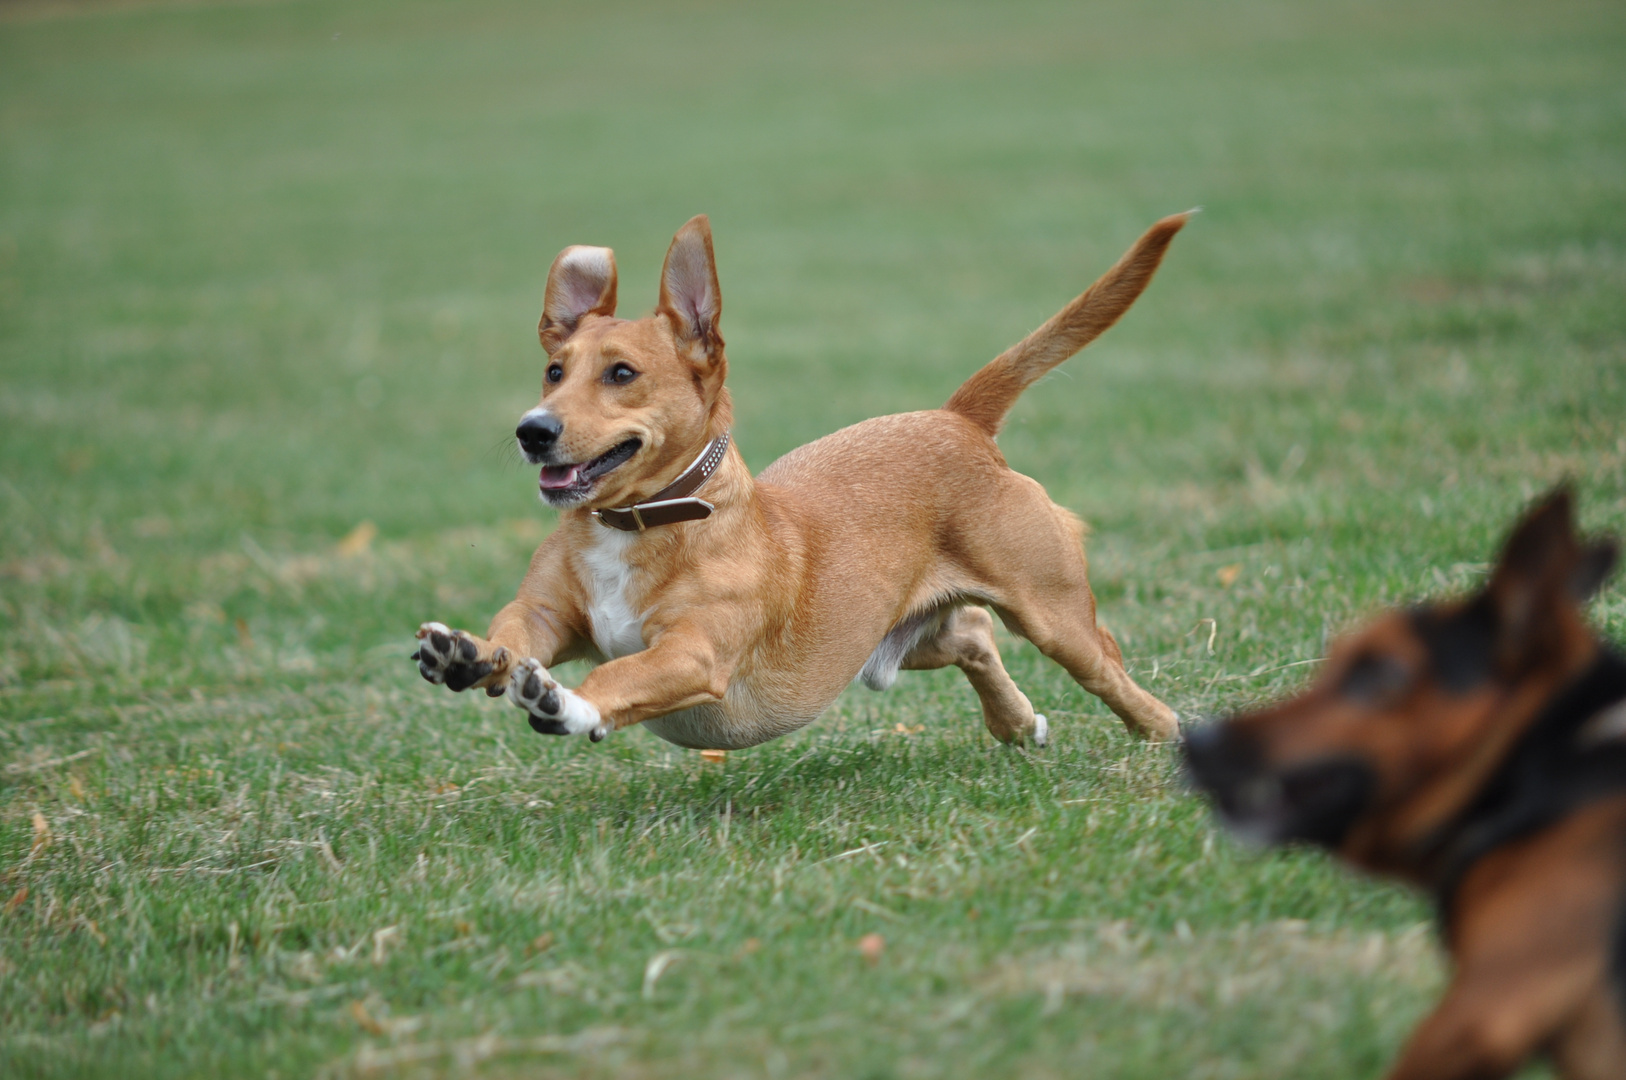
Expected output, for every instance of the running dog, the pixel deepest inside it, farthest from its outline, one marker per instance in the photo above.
(725, 611)
(1477, 748)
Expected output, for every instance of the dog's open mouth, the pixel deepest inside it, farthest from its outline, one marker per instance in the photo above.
(565, 484)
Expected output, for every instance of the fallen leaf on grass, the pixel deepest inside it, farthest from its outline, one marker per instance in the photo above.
(369, 1024)
(385, 1025)
(1228, 574)
(17, 899)
(359, 539)
(42, 834)
(870, 947)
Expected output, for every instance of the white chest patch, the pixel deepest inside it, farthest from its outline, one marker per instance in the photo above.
(612, 610)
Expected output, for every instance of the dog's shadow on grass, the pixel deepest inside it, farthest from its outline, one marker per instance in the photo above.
(827, 784)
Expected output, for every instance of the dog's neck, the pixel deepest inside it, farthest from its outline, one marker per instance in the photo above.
(676, 501)
(1567, 758)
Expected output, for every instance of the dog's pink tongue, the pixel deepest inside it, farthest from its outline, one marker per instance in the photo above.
(558, 476)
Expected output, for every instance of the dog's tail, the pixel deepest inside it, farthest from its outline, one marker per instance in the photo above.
(988, 395)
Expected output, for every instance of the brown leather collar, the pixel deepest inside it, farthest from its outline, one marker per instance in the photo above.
(671, 503)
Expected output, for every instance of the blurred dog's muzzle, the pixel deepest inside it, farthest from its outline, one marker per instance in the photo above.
(1315, 803)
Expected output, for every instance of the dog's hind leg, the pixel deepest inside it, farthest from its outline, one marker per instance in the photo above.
(1024, 556)
(966, 641)
(1068, 634)
(1062, 624)
(1027, 556)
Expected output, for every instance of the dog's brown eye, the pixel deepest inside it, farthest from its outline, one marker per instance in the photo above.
(1374, 679)
(555, 373)
(619, 374)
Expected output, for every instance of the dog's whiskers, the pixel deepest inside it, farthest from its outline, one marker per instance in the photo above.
(506, 451)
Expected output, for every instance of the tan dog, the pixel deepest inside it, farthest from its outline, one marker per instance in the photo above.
(729, 610)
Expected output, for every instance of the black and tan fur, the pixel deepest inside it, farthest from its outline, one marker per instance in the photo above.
(1475, 748)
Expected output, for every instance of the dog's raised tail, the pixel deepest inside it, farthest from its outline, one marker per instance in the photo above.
(988, 395)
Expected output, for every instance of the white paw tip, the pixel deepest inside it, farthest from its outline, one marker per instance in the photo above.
(1041, 730)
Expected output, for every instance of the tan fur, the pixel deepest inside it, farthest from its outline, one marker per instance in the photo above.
(989, 394)
(756, 618)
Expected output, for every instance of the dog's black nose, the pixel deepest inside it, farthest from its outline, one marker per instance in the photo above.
(1219, 756)
(1200, 739)
(538, 432)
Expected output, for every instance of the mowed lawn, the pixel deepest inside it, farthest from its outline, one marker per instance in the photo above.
(269, 275)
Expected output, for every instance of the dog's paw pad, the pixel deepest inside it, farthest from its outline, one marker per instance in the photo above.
(552, 709)
(451, 657)
(434, 653)
(543, 726)
(531, 688)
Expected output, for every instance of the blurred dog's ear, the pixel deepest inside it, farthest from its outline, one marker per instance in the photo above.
(580, 283)
(690, 299)
(1540, 569)
(1596, 563)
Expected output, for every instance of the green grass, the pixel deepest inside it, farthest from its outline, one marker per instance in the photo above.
(269, 271)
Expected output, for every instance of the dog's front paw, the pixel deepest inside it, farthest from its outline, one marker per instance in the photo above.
(553, 709)
(452, 657)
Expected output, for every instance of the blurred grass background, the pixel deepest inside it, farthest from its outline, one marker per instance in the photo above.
(269, 275)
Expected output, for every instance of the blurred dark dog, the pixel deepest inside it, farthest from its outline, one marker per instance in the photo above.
(1477, 748)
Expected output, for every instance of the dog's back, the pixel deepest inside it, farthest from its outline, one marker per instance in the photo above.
(929, 515)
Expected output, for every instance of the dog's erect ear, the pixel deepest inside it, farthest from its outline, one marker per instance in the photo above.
(581, 283)
(1596, 563)
(1542, 567)
(690, 299)
(1543, 540)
